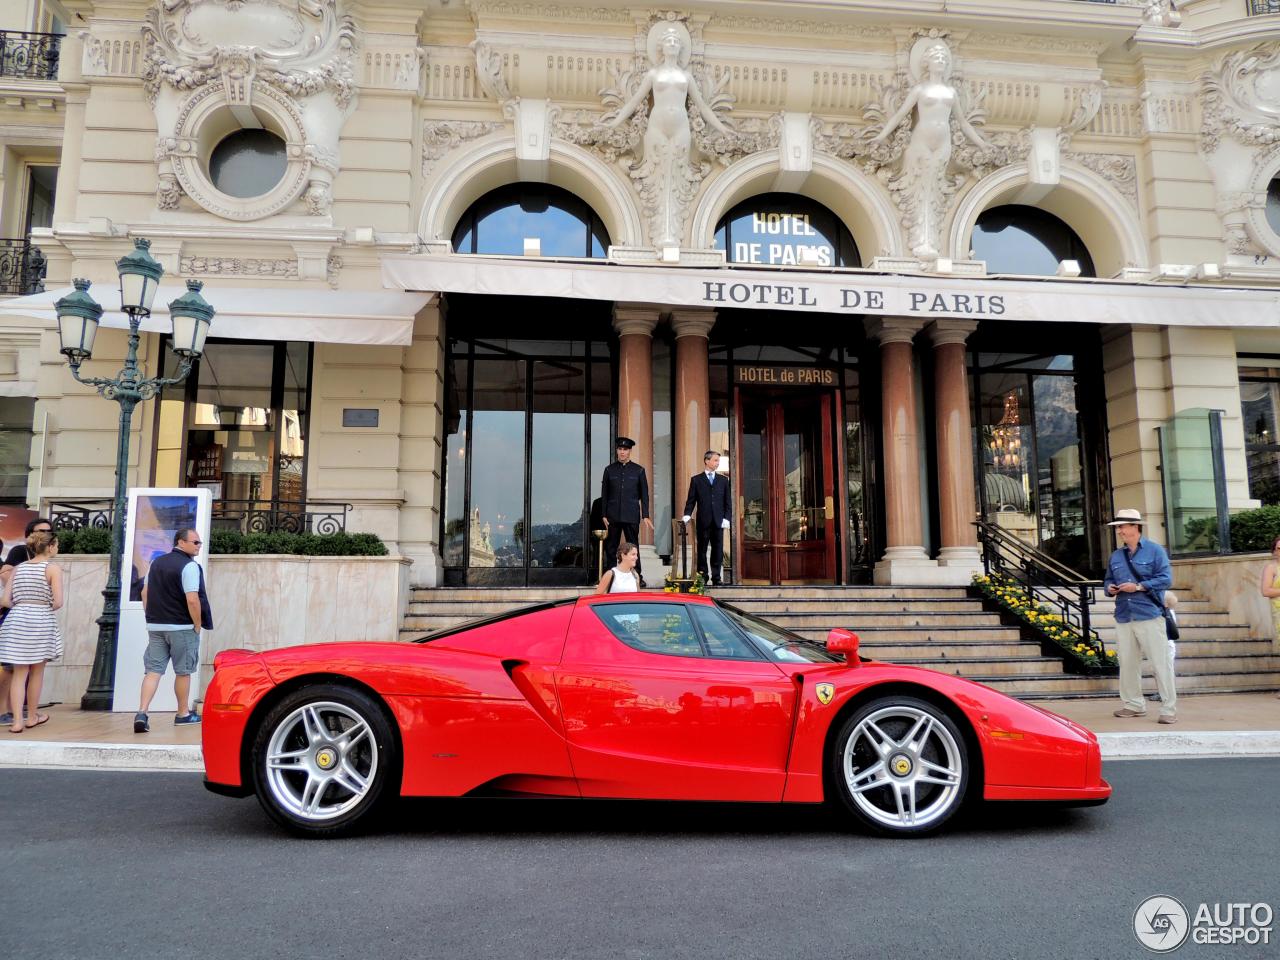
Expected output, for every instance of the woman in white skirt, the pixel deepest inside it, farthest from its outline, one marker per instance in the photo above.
(622, 578)
(29, 636)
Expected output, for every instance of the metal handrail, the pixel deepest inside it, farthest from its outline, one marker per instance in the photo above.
(249, 516)
(1259, 8)
(30, 56)
(1044, 579)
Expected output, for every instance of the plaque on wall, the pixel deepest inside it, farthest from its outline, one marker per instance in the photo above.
(756, 375)
(356, 417)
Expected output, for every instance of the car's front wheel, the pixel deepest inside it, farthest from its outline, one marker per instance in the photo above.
(900, 766)
(322, 759)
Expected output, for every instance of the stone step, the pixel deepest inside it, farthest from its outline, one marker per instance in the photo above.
(1239, 648)
(768, 610)
(771, 607)
(946, 649)
(1033, 686)
(735, 593)
(1206, 618)
(990, 666)
(1226, 662)
(936, 634)
(1235, 631)
(866, 621)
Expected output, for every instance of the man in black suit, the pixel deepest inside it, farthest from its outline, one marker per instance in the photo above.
(709, 494)
(624, 488)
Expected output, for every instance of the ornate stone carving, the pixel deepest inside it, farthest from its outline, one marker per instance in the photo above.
(441, 136)
(332, 267)
(238, 266)
(168, 192)
(549, 11)
(816, 28)
(1161, 13)
(923, 182)
(1242, 98)
(1118, 169)
(297, 75)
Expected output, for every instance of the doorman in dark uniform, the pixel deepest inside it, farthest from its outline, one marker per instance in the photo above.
(709, 496)
(625, 492)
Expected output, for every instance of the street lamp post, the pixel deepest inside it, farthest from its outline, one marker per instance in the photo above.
(78, 316)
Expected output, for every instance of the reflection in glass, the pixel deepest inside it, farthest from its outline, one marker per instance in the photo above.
(1005, 429)
(802, 474)
(754, 480)
(500, 221)
(1060, 488)
(721, 438)
(1273, 206)
(247, 163)
(1024, 240)
(1259, 403)
(557, 460)
(455, 456)
(497, 526)
(785, 229)
(17, 418)
(855, 493)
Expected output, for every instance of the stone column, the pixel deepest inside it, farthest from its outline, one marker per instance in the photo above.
(905, 560)
(692, 426)
(634, 323)
(421, 444)
(956, 501)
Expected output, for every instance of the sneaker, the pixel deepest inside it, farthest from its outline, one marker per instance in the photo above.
(8, 717)
(1126, 712)
(140, 724)
(191, 717)
(1168, 720)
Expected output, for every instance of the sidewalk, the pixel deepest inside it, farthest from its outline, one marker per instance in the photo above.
(1208, 726)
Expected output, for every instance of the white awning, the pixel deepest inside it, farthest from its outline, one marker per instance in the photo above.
(850, 292)
(378, 317)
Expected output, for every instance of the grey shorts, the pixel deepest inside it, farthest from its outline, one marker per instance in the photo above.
(182, 646)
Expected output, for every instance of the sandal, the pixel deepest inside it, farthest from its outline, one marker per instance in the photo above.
(40, 718)
(18, 730)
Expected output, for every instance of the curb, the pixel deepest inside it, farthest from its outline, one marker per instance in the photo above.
(102, 756)
(1190, 745)
(143, 757)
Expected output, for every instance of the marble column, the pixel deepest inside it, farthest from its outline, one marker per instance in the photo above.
(905, 559)
(957, 504)
(634, 323)
(693, 394)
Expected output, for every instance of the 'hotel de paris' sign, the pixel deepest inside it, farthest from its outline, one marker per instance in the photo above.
(854, 292)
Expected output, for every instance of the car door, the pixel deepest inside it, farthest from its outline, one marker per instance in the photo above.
(667, 700)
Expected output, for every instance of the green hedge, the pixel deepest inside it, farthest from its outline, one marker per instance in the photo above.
(1251, 530)
(98, 540)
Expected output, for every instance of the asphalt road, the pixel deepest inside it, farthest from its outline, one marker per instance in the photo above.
(120, 865)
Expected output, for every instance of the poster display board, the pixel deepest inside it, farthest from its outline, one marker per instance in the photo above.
(155, 515)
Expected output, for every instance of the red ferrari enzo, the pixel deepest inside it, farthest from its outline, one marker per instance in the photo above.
(647, 696)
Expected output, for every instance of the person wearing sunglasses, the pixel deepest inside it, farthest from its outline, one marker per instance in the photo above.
(177, 609)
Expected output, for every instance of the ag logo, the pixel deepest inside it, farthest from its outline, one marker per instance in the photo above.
(1161, 924)
(825, 692)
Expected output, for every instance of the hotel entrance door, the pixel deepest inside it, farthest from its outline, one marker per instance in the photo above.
(786, 492)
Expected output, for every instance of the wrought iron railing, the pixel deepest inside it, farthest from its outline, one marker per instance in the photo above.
(1257, 8)
(1044, 579)
(30, 56)
(247, 516)
(22, 267)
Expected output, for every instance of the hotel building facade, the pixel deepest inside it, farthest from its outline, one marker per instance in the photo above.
(903, 264)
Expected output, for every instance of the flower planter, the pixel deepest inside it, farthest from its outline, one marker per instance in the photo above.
(683, 585)
(1028, 631)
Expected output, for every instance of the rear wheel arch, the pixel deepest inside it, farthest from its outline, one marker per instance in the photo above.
(977, 777)
(279, 692)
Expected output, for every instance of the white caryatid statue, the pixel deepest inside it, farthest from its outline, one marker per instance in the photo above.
(666, 172)
(922, 183)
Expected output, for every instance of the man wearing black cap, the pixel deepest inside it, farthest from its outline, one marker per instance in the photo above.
(625, 492)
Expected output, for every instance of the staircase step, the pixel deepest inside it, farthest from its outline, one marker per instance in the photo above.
(898, 621)
(935, 634)
(991, 666)
(949, 649)
(1049, 685)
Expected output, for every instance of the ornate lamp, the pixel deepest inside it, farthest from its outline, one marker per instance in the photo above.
(140, 275)
(78, 316)
(192, 315)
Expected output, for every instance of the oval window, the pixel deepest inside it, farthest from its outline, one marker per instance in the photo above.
(247, 163)
(1273, 206)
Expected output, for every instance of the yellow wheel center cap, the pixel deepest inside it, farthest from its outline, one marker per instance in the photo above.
(901, 766)
(326, 758)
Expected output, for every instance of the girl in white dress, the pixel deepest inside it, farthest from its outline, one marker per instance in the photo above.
(29, 636)
(622, 578)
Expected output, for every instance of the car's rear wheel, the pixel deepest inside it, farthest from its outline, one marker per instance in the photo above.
(900, 766)
(322, 759)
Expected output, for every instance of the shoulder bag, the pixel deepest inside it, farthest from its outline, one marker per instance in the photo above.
(1170, 623)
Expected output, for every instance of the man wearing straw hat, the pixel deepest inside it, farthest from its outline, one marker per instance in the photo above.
(1138, 574)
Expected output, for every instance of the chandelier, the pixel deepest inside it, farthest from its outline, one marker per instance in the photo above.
(1006, 436)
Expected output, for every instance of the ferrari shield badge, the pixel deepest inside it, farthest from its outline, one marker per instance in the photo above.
(825, 692)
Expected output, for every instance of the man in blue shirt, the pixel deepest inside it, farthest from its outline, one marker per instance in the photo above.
(1138, 574)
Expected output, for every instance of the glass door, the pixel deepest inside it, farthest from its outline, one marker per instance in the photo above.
(786, 502)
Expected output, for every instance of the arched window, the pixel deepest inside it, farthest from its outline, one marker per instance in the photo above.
(1273, 205)
(1024, 240)
(501, 220)
(786, 229)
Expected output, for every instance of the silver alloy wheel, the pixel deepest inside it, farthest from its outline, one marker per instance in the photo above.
(321, 761)
(902, 767)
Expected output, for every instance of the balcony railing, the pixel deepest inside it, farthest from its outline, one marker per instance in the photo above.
(29, 56)
(1259, 7)
(247, 516)
(22, 267)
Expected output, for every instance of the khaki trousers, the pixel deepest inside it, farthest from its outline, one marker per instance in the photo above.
(1134, 640)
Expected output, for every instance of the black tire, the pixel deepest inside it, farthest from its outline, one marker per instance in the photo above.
(921, 765)
(323, 759)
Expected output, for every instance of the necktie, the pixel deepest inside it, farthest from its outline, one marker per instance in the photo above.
(711, 479)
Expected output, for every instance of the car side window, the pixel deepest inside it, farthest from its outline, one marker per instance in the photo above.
(721, 638)
(651, 627)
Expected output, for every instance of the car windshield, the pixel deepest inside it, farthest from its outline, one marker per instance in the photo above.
(778, 644)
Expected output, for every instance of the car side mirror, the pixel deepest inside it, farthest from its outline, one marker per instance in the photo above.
(843, 641)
